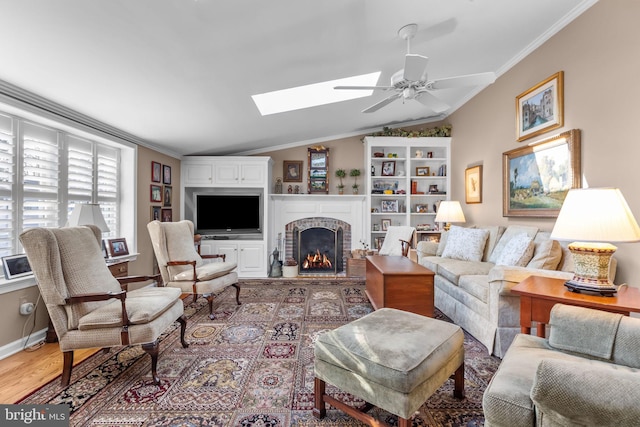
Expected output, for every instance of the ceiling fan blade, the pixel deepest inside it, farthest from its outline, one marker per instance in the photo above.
(432, 102)
(415, 67)
(363, 87)
(466, 80)
(379, 105)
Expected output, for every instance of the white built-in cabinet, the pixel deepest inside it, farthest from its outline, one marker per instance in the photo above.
(405, 180)
(224, 174)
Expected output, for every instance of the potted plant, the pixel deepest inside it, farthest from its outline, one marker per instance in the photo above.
(355, 173)
(341, 173)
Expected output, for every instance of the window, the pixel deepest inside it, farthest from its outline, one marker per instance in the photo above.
(45, 172)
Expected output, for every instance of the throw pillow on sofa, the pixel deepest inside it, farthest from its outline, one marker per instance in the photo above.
(517, 252)
(547, 254)
(466, 244)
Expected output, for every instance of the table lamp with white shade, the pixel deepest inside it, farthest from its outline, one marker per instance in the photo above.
(449, 211)
(88, 214)
(592, 218)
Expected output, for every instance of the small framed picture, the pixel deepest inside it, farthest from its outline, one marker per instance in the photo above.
(292, 171)
(155, 213)
(15, 266)
(389, 206)
(422, 208)
(118, 247)
(166, 199)
(166, 215)
(389, 168)
(386, 223)
(156, 172)
(473, 184)
(423, 171)
(433, 188)
(166, 174)
(156, 193)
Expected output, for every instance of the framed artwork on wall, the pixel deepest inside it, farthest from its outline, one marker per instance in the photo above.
(318, 167)
(156, 172)
(541, 108)
(473, 184)
(292, 170)
(155, 193)
(155, 213)
(167, 215)
(536, 178)
(168, 195)
(166, 174)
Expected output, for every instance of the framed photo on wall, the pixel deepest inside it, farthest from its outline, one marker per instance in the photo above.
(541, 108)
(537, 178)
(168, 195)
(167, 215)
(473, 184)
(156, 172)
(155, 193)
(292, 170)
(155, 213)
(318, 167)
(166, 174)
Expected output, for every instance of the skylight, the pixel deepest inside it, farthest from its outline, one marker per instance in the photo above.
(315, 94)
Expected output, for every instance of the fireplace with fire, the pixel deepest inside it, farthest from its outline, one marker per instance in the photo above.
(318, 246)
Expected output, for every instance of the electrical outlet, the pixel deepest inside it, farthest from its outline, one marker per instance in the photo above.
(25, 307)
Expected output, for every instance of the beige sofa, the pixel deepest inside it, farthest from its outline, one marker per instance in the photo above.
(476, 267)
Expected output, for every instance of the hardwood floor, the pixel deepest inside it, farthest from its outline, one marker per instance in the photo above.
(26, 371)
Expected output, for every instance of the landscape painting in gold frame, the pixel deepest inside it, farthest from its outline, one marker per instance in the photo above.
(536, 178)
(541, 108)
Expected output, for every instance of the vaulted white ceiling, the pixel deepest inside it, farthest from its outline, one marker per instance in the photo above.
(179, 74)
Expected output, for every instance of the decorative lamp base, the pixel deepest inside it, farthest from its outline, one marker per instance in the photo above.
(592, 262)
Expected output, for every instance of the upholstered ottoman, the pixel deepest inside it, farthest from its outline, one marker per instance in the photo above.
(390, 358)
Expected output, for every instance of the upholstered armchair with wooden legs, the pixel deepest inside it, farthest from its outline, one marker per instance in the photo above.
(397, 241)
(88, 307)
(182, 267)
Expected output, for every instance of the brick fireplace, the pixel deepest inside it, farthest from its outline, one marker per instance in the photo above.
(319, 245)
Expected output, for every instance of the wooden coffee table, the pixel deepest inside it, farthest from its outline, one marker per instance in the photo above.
(398, 282)
(539, 294)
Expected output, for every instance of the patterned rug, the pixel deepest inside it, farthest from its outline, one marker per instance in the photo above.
(250, 366)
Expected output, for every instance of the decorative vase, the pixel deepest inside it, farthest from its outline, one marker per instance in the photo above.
(289, 271)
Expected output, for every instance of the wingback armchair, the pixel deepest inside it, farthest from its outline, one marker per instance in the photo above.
(182, 267)
(585, 373)
(88, 307)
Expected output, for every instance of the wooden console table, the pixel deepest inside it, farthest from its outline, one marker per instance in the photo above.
(398, 282)
(539, 294)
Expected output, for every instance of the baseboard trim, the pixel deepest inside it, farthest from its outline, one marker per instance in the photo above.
(19, 345)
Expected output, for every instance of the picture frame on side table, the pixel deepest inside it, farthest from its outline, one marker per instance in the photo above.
(536, 178)
(118, 247)
(155, 193)
(156, 172)
(541, 108)
(292, 170)
(473, 184)
(15, 266)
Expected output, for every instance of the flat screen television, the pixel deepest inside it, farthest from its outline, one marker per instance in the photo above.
(228, 214)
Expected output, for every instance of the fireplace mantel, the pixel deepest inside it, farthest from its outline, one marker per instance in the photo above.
(291, 207)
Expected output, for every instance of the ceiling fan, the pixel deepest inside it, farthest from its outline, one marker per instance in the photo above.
(411, 82)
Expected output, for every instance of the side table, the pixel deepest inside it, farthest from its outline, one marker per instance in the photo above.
(539, 294)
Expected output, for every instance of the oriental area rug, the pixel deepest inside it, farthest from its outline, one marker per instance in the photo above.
(250, 366)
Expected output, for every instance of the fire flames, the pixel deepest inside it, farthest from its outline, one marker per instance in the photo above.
(316, 260)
